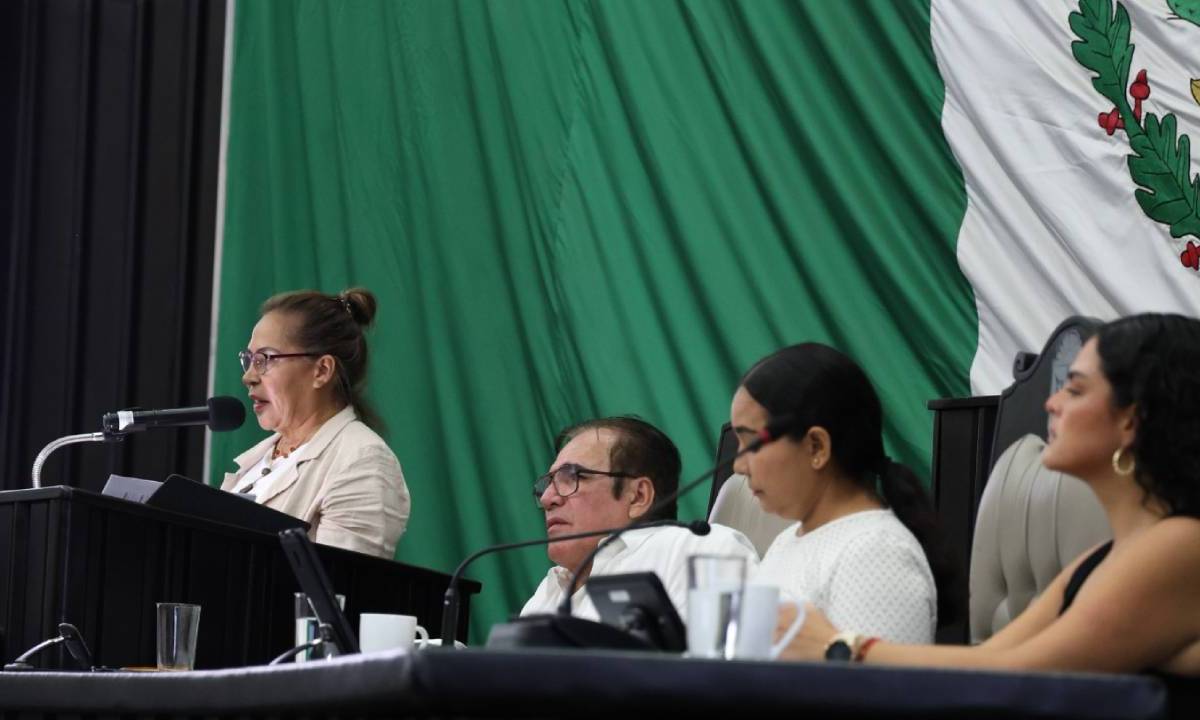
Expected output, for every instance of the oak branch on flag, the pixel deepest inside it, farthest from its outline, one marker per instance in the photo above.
(1160, 162)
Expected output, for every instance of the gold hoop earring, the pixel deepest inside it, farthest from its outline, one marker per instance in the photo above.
(1116, 463)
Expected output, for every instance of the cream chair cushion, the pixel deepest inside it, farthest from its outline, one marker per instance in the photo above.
(736, 507)
(1031, 523)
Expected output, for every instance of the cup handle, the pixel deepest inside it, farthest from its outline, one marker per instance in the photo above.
(423, 637)
(791, 632)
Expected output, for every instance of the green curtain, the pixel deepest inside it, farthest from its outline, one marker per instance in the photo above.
(575, 208)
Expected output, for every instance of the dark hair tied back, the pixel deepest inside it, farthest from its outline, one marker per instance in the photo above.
(360, 304)
(823, 387)
(334, 325)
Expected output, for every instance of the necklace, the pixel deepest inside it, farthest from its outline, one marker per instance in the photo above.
(281, 453)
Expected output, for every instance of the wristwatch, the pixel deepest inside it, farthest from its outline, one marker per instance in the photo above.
(844, 647)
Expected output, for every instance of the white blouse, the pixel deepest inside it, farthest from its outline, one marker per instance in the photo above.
(256, 483)
(865, 571)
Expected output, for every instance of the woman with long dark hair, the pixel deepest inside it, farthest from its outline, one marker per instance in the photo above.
(864, 546)
(1126, 423)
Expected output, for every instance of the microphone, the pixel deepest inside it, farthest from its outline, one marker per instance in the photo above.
(776, 428)
(450, 600)
(70, 637)
(220, 414)
(698, 527)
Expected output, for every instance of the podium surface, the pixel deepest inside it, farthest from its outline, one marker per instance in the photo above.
(102, 564)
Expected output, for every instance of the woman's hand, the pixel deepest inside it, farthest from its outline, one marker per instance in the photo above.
(814, 635)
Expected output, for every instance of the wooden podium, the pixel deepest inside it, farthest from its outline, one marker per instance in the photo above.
(101, 564)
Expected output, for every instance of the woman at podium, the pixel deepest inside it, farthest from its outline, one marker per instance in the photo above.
(305, 369)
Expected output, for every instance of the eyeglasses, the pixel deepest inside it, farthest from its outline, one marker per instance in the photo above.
(260, 360)
(566, 479)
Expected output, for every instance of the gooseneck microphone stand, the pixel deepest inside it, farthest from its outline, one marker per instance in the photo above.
(219, 414)
(74, 643)
(44, 455)
(450, 600)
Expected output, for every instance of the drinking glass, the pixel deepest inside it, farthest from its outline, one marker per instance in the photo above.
(714, 596)
(178, 625)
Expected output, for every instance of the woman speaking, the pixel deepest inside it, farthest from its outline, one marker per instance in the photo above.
(305, 369)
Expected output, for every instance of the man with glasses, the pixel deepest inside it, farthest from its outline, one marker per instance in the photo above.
(609, 473)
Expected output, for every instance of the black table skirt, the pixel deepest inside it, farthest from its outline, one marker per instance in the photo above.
(480, 683)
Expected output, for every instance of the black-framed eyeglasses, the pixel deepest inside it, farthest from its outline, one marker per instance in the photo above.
(566, 477)
(260, 360)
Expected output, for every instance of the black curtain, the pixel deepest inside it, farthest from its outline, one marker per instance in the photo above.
(109, 145)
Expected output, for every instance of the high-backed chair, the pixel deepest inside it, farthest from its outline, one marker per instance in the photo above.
(723, 465)
(1031, 521)
(1022, 406)
(736, 507)
(731, 503)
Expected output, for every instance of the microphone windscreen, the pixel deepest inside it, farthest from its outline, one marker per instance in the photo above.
(699, 527)
(225, 413)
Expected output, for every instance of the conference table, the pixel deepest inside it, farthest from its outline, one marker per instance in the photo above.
(549, 683)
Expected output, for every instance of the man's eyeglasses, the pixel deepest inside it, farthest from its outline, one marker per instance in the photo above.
(260, 360)
(565, 478)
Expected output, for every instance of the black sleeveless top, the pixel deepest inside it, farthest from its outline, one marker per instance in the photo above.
(1183, 693)
(1081, 573)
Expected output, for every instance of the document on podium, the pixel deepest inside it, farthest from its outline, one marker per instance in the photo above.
(187, 497)
(133, 489)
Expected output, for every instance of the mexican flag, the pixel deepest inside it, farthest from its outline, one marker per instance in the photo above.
(574, 208)
(1071, 123)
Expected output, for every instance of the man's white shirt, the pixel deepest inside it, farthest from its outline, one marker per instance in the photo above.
(661, 550)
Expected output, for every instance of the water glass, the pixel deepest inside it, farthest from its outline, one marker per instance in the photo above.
(714, 596)
(178, 625)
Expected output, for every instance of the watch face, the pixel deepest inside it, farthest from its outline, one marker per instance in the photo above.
(839, 651)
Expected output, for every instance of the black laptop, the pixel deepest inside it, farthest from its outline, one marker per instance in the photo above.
(310, 573)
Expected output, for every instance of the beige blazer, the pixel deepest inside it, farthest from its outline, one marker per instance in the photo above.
(346, 483)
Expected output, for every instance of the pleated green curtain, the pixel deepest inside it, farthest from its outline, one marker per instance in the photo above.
(579, 208)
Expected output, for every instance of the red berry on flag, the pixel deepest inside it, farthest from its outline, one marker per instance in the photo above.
(1140, 89)
(1190, 257)
(1110, 121)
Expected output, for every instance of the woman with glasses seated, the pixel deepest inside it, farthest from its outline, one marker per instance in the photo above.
(305, 370)
(1126, 422)
(863, 547)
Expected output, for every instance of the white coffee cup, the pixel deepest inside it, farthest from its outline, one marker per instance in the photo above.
(381, 631)
(758, 616)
